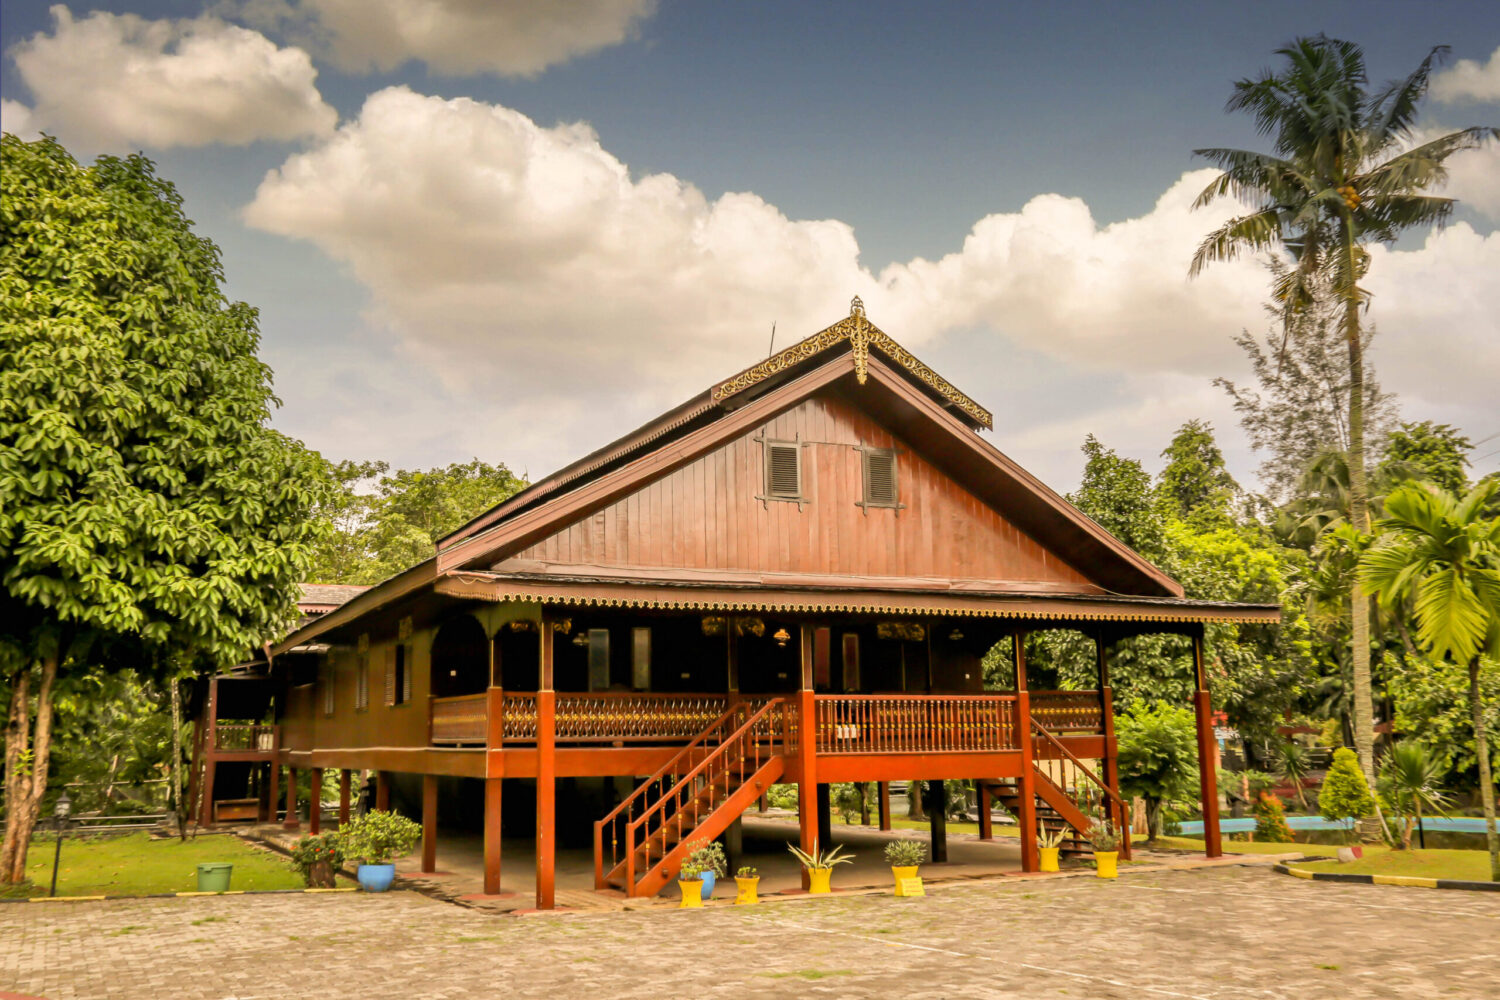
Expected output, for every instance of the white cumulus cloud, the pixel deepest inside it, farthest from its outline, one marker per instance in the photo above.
(16, 118)
(1468, 80)
(119, 81)
(556, 297)
(452, 37)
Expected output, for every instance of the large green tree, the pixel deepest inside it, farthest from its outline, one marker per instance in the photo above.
(1346, 171)
(147, 510)
(1443, 554)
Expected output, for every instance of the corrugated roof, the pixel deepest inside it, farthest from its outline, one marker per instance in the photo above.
(329, 594)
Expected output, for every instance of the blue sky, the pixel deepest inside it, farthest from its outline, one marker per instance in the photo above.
(902, 126)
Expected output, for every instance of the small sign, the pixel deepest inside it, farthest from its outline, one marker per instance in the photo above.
(912, 886)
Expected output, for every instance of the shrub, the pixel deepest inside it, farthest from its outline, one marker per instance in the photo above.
(377, 837)
(782, 796)
(691, 871)
(1270, 821)
(747, 871)
(1158, 756)
(1104, 837)
(1345, 793)
(318, 858)
(710, 857)
(905, 853)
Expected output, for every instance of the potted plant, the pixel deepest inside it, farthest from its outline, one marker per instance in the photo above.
(690, 882)
(1049, 844)
(374, 839)
(1106, 846)
(905, 857)
(318, 859)
(819, 865)
(747, 879)
(712, 864)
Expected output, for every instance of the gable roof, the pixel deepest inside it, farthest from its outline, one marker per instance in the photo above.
(851, 357)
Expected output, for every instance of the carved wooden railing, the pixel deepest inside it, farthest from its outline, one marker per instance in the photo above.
(876, 723)
(633, 843)
(459, 719)
(1068, 711)
(634, 717)
(232, 737)
(1054, 762)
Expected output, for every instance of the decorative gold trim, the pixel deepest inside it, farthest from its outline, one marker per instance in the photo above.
(861, 335)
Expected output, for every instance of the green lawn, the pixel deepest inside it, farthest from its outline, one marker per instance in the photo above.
(135, 865)
(1236, 846)
(1380, 860)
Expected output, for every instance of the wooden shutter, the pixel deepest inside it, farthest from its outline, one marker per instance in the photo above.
(783, 471)
(390, 676)
(406, 671)
(880, 477)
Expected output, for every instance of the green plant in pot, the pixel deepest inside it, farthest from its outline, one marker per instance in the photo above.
(1049, 847)
(690, 882)
(819, 865)
(711, 863)
(747, 881)
(905, 858)
(318, 859)
(1106, 841)
(373, 840)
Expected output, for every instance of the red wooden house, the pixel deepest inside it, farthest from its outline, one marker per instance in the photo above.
(792, 577)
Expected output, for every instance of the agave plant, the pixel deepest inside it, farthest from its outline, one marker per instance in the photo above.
(820, 859)
(1048, 839)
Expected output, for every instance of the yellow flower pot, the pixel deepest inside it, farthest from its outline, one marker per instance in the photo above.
(1049, 858)
(901, 873)
(1104, 861)
(692, 893)
(818, 879)
(748, 894)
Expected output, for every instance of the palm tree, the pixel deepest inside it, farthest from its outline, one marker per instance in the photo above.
(1293, 764)
(1410, 778)
(1340, 177)
(1444, 554)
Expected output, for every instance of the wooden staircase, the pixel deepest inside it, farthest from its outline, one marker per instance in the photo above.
(691, 799)
(1061, 782)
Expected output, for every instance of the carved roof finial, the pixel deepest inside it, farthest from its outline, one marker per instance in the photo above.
(857, 306)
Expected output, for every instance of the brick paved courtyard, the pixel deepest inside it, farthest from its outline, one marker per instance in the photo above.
(1222, 934)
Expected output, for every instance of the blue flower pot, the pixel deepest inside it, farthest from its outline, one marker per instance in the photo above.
(708, 884)
(376, 878)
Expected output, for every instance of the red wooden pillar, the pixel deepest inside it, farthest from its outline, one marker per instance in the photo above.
(807, 753)
(546, 776)
(1111, 744)
(1031, 859)
(494, 769)
(492, 788)
(315, 802)
(343, 798)
(1208, 753)
(290, 822)
(986, 824)
(884, 800)
(429, 822)
(273, 791)
(383, 781)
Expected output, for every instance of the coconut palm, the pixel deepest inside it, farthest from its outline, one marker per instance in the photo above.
(1347, 170)
(1411, 778)
(1443, 554)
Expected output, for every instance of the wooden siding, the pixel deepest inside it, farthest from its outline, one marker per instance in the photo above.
(706, 517)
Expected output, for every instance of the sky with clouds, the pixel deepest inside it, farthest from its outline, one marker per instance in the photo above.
(517, 230)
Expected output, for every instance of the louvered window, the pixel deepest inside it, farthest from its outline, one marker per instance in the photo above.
(880, 477)
(783, 470)
(327, 680)
(362, 684)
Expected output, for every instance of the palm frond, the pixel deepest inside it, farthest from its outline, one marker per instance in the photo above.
(1422, 166)
(1451, 621)
(1395, 109)
(1245, 234)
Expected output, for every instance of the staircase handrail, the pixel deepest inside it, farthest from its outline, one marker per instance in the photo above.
(1114, 796)
(671, 762)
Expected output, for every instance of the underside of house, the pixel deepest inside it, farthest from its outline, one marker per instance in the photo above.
(791, 578)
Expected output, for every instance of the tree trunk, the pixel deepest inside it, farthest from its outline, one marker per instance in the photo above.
(26, 784)
(174, 773)
(1359, 517)
(1486, 778)
(914, 800)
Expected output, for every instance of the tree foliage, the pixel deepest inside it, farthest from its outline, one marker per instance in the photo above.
(1158, 756)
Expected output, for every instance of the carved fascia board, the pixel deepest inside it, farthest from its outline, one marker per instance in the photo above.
(861, 335)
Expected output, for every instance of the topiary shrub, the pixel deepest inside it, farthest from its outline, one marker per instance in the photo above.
(1345, 794)
(1270, 821)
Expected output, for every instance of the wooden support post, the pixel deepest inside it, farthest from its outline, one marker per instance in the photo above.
(208, 792)
(937, 819)
(492, 835)
(429, 822)
(195, 787)
(807, 753)
(1031, 859)
(986, 821)
(884, 797)
(1208, 753)
(290, 822)
(383, 780)
(734, 845)
(546, 775)
(1111, 744)
(210, 750)
(344, 780)
(315, 802)
(273, 792)
(825, 816)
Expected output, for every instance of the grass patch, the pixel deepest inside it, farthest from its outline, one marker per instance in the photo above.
(1233, 846)
(1473, 866)
(809, 974)
(954, 826)
(135, 865)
